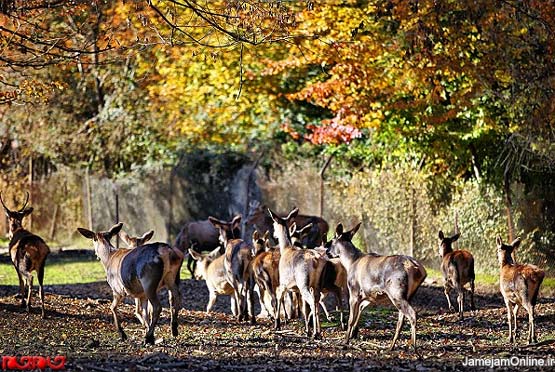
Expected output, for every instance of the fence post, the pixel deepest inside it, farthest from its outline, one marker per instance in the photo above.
(89, 198)
(322, 171)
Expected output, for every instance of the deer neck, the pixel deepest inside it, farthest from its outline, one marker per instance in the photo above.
(105, 252)
(446, 250)
(506, 259)
(284, 240)
(348, 254)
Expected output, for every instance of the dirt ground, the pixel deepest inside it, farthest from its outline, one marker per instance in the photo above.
(79, 326)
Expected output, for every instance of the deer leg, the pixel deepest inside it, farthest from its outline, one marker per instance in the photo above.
(515, 314)
(280, 291)
(29, 284)
(317, 329)
(155, 315)
(40, 277)
(460, 301)
(510, 319)
(354, 309)
(408, 311)
(212, 296)
(400, 321)
(323, 305)
(531, 327)
(191, 265)
(250, 300)
(446, 290)
(472, 306)
(175, 303)
(139, 311)
(115, 302)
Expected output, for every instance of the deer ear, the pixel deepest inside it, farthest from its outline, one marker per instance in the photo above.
(516, 243)
(267, 235)
(217, 223)
(355, 229)
(293, 228)
(115, 229)
(440, 235)
(86, 233)
(498, 240)
(255, 235)
(147, 236)
(339, 229)
(306, 228)
(236, 222)
(27, 211)
(455, 237)
(275, 217)
(294, 212)
(123, 235)
(195, 255)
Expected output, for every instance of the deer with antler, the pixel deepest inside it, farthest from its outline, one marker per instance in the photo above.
(28, 253)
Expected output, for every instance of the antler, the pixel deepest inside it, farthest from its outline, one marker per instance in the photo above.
(4, 205)
(25, 204)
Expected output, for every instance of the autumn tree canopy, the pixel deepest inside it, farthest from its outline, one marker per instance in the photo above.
(460, 88)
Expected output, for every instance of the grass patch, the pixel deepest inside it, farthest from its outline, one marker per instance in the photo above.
(66, 270)
(487, 279)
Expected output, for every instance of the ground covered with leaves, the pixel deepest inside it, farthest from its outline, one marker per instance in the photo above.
(79, 326)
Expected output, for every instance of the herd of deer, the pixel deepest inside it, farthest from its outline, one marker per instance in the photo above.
(297, 273)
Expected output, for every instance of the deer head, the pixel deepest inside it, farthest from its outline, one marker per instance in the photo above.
(136, 241)
(228, 230)
(15, 218)
(445, 243)
(505, 253)
(101, 240)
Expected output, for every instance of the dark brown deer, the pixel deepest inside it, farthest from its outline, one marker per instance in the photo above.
(139, 273)
(237, 265)
(134, 242)
(457, 268)
(202, 236)
(520, 285)
(259, 217)
(210, 267)
(28, 253)
(372, 275)
(300, 270)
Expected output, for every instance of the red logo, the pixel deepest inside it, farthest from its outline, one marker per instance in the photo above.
(33, 362)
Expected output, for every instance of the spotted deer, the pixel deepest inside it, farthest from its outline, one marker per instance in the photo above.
(300, 270)
(372, 275)
(210, 268)
(139, 273)
(237, 266)
(520, 286)
(457, 268)
(28, 253)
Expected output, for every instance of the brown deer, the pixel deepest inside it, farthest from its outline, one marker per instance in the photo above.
(520, 285)
(202, 236)
(259, 217)
(265, 271)
(334, 276)
(372, 275)
(28, 253)
(210, 267)
(237, 266)
(457, 268)
(135, 241)
(300, 270)
(139, 273)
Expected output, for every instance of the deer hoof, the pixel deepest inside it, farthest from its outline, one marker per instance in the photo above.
(122, 335)
(175, 333)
